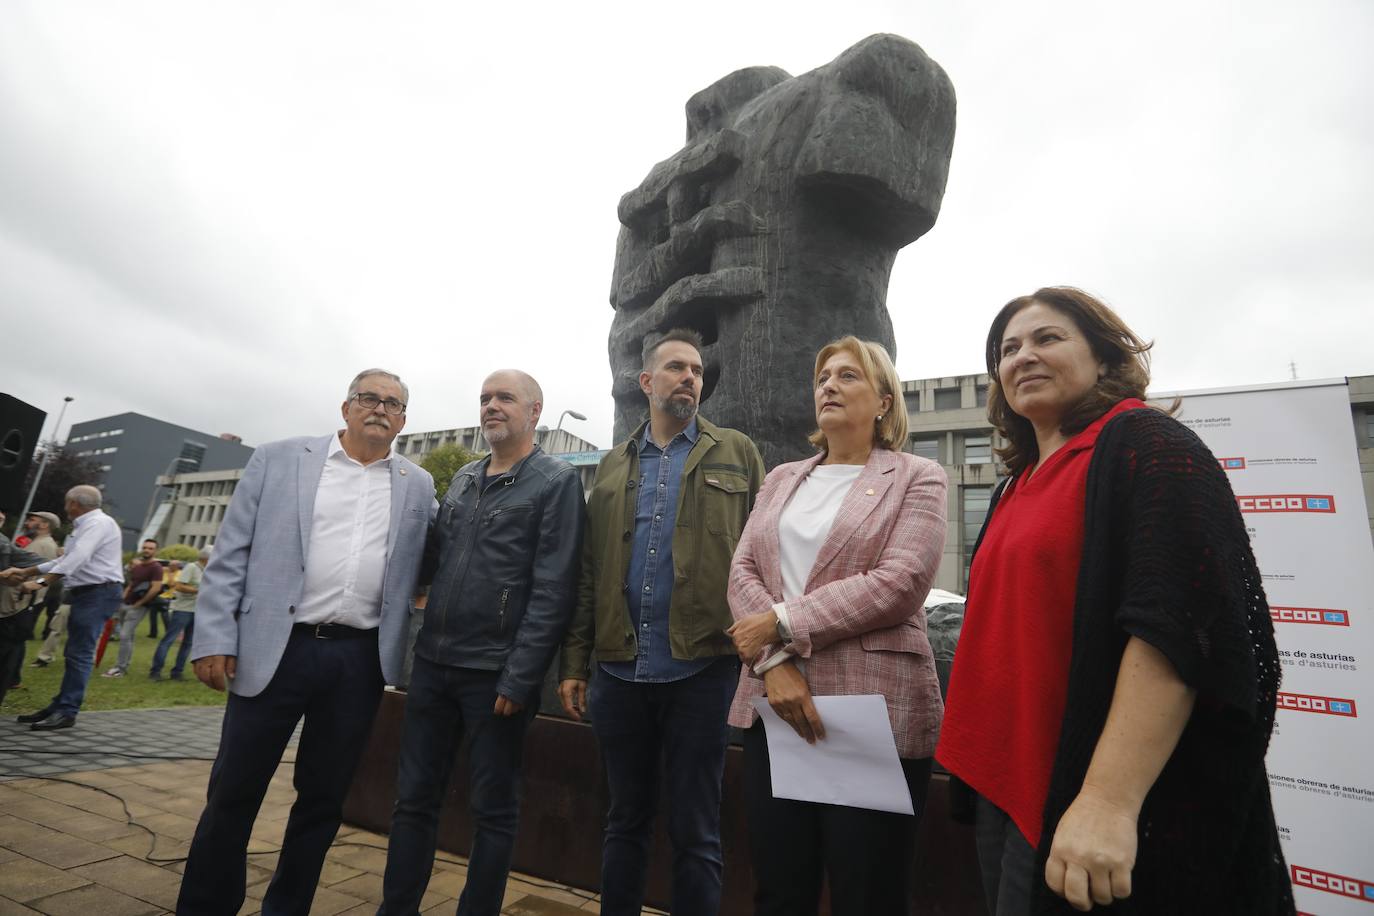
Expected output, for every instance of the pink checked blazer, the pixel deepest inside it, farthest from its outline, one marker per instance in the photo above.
(860, 625)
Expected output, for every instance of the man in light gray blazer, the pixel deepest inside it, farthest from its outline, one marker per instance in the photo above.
(304, 612)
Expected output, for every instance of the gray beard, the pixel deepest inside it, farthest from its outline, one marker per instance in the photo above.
(681, 410)
(502, 434)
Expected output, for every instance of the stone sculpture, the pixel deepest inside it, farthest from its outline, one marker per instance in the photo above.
(775, 228)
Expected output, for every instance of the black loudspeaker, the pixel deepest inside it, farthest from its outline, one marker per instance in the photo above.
(20, 426)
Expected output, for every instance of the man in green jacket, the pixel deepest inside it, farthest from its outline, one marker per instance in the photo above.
(663, 518)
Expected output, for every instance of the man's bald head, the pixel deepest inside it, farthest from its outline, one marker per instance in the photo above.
(520, 381)
(510, 405)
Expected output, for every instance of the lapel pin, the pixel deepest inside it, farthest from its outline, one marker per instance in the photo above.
(403, 473)
(869, 492)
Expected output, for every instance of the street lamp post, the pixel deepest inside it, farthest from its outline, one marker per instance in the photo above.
(567, 413)
(43, 462)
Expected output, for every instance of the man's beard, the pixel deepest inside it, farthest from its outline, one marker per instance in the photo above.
(502, 433)
(679, 408)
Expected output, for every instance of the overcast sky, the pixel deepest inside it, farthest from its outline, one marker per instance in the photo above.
(216, 213)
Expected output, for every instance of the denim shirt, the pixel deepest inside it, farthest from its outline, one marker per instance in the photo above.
(649, 584)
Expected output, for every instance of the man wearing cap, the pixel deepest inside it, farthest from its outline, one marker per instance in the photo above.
(42, 526)
(303, 613)
(94, 581)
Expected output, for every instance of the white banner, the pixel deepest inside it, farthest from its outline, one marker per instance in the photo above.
(1290, 454)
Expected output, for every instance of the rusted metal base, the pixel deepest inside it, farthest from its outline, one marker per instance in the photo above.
(564, 804)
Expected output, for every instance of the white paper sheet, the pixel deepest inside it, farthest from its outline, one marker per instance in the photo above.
(856, 764)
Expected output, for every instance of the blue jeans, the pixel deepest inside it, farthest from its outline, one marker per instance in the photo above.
(681, 723)
(1006, 861)
(91, 607)
(442, 704)
(181, 622)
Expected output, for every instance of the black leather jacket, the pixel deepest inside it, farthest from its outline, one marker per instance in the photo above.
(503, 563)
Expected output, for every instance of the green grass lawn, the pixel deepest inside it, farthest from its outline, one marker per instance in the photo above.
(133, 691)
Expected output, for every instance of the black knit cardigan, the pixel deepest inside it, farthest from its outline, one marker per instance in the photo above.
(1166, 558)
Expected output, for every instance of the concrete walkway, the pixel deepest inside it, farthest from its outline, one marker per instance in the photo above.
(86, 832)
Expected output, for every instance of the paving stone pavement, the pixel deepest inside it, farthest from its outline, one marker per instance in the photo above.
(111, 840)
(113, 738)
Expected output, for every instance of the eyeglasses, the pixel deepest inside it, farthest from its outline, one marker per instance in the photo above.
(370, 401)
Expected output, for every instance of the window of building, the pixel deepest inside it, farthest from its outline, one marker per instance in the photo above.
(926, 448)
(1369, 426)
(981, 394)
(978, 449)
(913, 401)
(973, 511)
(946, 398)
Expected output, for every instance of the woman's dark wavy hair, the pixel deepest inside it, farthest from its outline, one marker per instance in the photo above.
(1125, 355)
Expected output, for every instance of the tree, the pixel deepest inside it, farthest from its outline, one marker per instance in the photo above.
(443, 463)
(183, 552)
(65, 469)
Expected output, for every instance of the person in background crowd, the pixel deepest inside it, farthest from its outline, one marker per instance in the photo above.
(826, 590)
(93, 577)
(1115, 683)
(506, 545)
(158, 610)
(24, 608)
(141, 595)
(304, 613)
(183, 620)
(666, 669)
(17, 609)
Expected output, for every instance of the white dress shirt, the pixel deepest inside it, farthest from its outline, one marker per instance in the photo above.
(346, 560)
(92, 552)
(803, 526)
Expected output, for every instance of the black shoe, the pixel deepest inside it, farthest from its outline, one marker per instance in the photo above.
(176, 677)
(53, 723)
(29, 718)
(154, 676)
(39, 663)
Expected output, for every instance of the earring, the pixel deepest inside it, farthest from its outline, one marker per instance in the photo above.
(880, 418)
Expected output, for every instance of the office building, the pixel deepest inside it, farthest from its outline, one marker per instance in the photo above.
(134, 450)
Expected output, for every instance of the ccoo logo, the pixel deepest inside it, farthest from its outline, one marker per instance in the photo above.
(1317, 615)
(1330, 706)
(1294, 502)
(1332, 883)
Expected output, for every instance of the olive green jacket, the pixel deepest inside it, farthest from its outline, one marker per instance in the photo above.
(721, 478)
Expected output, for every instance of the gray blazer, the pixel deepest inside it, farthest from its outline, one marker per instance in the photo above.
(255, 576)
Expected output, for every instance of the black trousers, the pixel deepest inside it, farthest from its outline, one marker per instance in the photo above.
(335, 684)
(867, 856)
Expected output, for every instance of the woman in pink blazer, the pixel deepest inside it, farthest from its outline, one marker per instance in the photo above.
(826, 588)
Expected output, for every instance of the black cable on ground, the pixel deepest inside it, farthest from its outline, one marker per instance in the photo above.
(153, 836)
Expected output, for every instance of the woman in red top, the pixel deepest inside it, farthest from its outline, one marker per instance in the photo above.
(1114, 687)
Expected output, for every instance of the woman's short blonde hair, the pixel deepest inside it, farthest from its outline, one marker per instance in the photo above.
(890, 431)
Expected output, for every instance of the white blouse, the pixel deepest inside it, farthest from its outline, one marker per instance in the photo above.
(803, 526)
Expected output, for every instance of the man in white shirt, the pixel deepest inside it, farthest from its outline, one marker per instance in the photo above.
(94, 581)
(303, 612)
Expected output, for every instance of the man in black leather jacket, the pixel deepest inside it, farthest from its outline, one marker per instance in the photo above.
(503, 560)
